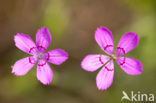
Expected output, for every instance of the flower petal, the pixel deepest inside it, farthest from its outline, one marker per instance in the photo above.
(44, 72)
(93, 62)
(57, 56)
(104, 38)
(129, 65)
(25, 43)
(43, 39)
(22, 66)
(127, 42)
(105, 76)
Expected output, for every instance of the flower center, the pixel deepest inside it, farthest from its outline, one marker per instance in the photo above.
(113, 56)
(39, 56)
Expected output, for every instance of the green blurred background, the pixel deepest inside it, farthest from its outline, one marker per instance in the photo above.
(72, 24)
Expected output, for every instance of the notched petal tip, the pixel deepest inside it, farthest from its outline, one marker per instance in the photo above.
(19, 34)
(24, 42)
(104, 78)
(22, 66)
(104, 38)
(104, 29)
(13, 72)
(43, 38)
(44, 72)
(133, 34)
(18, 74)
(127, 43)
(140, 68)
(45, 83)
(130, 66)
(100, 88)
(45, 31)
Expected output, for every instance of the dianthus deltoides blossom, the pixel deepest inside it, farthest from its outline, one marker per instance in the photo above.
(26, 44)
(104, 38)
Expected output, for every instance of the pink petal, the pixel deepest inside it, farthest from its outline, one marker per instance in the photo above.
(104, 38)
(129, 65)
(44, 72)
(127, 42)
(25, 43)
(22, 66)
(93, 62)
(57, 56)
(105, 76)
(43, 39)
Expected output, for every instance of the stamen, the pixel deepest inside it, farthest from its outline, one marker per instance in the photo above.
(39, 55)
(113, 56)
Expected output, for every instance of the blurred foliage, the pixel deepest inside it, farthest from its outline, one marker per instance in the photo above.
(144, 24)
(142, 6)
(147, 40)
(56, 17)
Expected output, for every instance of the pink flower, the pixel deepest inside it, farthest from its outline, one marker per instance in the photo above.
(26, 44)
(104, 38)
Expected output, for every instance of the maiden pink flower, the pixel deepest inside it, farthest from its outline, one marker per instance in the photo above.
(26, 44)
(104, 38)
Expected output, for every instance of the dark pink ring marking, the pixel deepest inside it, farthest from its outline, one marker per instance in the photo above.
(108, 69)
(30, 61)
(41, 47)
(48, 56)
(124, 61)
(107, 46)
(37, 48)
(121, 49)
(42, 64)
(100, 60)
(31, 49)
